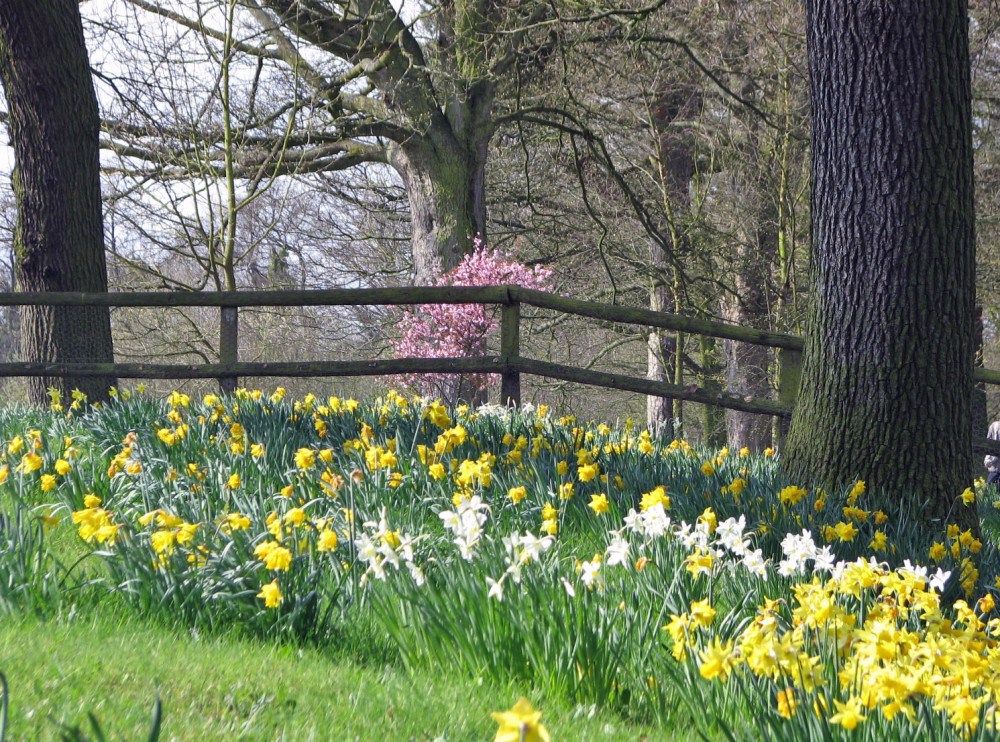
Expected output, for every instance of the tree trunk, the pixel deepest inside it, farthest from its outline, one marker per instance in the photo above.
(445, 176)
(747, 365)
(713, 418)
(887, 382)
(660, 349)
(673, 108)
(59, 238)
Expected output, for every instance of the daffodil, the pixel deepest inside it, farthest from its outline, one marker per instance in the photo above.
(702, 613)
(599, 503)
(516, 494)
(522, 723)
(587, 472)
(274, 555)
(716, 660)
(327, 540)
(305, 458)
(271, 594)
(848, 714)
(792, 494)
(786, 703)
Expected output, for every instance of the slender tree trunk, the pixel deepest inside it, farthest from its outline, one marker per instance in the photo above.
(747, 365)
(887, 385)
(59, 238)
(660, 349)
(713, 418)
(671, 110)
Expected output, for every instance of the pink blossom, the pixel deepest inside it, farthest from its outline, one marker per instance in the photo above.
(460, 330)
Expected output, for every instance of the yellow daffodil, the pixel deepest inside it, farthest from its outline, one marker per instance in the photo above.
(846, 531)
(30, 462)
(327, 540)
(716, 660)
(702, 613)
(656, 496)
(522, 723)
(848, 714)
(792, 494)
(786, 703)
(588, 472)
(274, 555)
(709, 518)
(305, 458)
(271, 594)
(599, 503)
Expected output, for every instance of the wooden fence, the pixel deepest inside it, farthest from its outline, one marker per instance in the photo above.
(509, 363)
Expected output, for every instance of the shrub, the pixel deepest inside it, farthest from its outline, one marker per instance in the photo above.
(461, 330)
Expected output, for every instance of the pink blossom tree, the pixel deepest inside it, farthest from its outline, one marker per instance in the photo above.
(461, 330)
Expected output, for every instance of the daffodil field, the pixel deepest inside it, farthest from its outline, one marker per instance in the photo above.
(598, 564)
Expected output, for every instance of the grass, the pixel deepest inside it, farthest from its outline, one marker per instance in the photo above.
(220, 688)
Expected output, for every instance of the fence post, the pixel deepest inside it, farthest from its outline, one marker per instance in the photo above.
(510, 348)
(789, 375)
(229, 335)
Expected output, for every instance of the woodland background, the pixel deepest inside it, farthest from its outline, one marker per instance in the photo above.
(653, 154)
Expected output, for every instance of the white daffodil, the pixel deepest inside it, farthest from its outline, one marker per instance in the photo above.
(939, 579)
(617, 552)
(367, 551)
(755, 564)
(655, 522)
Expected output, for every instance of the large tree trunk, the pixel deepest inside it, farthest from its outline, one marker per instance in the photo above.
(446, 195)
(445, 175)
(59, 239)
(887, 381)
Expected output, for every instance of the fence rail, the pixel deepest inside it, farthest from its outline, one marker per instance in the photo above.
(509, 363)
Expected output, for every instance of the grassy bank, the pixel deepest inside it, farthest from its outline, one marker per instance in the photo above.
(283, 568)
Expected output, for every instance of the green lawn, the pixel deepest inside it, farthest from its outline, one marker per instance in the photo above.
(223, 689)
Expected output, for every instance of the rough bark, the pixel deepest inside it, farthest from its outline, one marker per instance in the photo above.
(59, 238)
(445, 176)
(887, 383)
